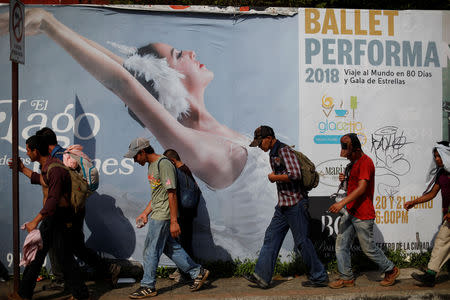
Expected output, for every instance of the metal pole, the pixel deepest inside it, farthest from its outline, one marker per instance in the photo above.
(15, 173)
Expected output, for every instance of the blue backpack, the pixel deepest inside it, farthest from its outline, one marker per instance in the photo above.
(188, 191)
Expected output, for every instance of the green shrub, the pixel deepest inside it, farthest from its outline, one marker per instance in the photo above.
(296, 266)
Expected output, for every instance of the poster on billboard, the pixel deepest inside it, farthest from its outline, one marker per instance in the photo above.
(384, 76)
(198, 83)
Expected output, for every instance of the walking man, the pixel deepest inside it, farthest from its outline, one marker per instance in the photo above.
(186, 214)
(360, 217)
(89, 256)
(55, 218)
(291, 212)
(440, 182)
(163, 226)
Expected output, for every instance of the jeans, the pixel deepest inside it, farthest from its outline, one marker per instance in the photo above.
(160, 241)
(56, 232)
(296, 218)
(348, 226)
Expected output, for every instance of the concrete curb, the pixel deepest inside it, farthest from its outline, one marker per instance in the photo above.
(366, 288)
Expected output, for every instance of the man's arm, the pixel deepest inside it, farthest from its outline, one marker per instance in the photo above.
(425, 198)
(144, 215)
(175, 230)
(292, 165)
(28, 172)
(278, 178)
(34, 223)
(358, 192)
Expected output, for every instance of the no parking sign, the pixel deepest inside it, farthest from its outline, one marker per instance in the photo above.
(17, 31)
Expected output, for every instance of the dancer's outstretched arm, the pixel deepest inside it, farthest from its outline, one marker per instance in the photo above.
(213, 159)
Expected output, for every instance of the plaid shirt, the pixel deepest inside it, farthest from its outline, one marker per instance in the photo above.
(284, 161)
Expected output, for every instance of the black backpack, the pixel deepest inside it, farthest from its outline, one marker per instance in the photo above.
(189, 192)
(187, 189)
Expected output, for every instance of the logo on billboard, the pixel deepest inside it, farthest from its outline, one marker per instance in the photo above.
(329, 171)
(340, 117)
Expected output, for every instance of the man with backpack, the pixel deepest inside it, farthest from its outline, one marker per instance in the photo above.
(89, 256)
(55, 218)
(291, 212)
(163, 227)
(186, 187)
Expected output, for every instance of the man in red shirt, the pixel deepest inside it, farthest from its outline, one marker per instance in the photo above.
(360, 217)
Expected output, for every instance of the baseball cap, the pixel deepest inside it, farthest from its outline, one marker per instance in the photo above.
(136, 145)
(260, 133)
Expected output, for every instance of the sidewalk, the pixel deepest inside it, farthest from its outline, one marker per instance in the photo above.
(367, 287)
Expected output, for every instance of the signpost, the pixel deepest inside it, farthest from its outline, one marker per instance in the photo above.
(17, 31)
(17, 55)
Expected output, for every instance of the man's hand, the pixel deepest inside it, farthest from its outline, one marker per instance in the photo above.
(20, 164)
(409, 204)
(341, 177)
(175, 230)
(335, 208)
(447, 217)
(272, 177)
(30, 226)
(143, 217)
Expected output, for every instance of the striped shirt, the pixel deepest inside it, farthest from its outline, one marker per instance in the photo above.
(284, 161)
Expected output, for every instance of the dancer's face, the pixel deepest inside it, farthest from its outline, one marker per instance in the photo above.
(438, 159)
(184, 61)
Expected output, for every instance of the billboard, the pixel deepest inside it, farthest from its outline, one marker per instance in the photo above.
(92, 75)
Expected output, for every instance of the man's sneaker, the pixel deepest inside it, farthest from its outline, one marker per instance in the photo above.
(426, 278)
(254, 278)
(54, 285)
(340, 283)
(389, 277)
(199, 280)
(310, 283)
(114, 270)
(143, 292)
(175, 274)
